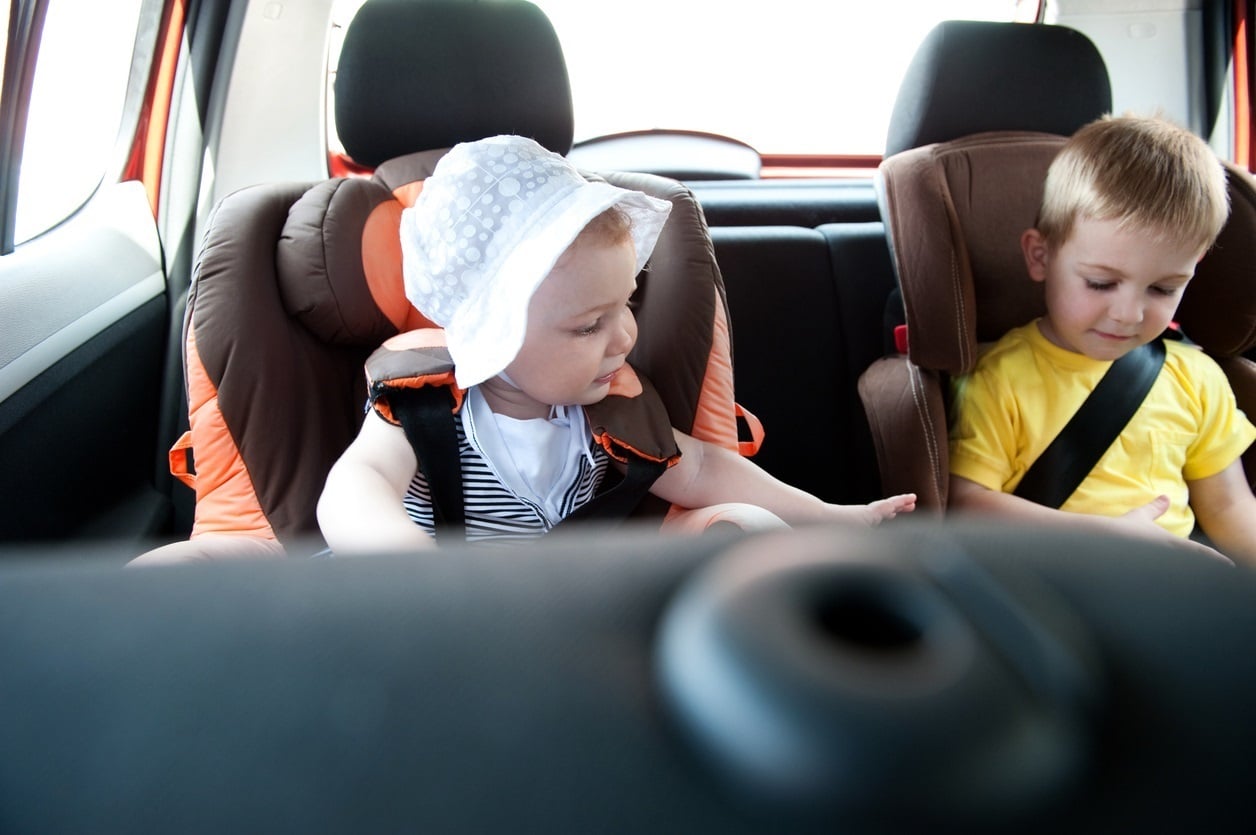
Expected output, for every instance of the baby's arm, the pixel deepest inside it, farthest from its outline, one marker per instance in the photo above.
(710, 475)
(360, 509)
(1226, 510)
(1140, 523)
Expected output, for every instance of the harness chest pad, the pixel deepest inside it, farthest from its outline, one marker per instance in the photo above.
(630, 422)
(410, 360)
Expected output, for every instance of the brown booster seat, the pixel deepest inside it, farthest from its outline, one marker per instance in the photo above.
(968, 148)
(297, 284)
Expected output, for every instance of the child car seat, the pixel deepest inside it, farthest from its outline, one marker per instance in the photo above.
(297, 284)
(982, 111)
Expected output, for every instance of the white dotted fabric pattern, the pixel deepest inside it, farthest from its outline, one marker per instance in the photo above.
(489, 225)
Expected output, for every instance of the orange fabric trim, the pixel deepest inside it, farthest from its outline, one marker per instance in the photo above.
(381, 262)
(225, 499)
(445, 379)
(609, 444)
(407, 194)
(179, 460)
(715, 419)
(750, 447)
(626, 383)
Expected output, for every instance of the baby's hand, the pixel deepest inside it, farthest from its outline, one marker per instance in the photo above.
(888, 508)
(878, 511)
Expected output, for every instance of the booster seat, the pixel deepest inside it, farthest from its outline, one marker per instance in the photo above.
(296, 284)
(968, 147)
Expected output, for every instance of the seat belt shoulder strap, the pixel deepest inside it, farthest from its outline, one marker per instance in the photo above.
(1073, 453)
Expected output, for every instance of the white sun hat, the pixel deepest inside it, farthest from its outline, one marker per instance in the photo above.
(488, 226)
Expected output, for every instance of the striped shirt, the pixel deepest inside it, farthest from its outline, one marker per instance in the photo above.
(492, 510)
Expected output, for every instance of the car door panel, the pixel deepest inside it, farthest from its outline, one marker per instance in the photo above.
(83, 323)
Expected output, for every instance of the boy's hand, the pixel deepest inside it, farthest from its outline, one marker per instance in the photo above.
(1140, 523)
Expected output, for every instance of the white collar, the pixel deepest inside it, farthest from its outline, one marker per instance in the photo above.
(537, 459)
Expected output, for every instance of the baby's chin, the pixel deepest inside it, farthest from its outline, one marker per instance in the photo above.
(596, 393)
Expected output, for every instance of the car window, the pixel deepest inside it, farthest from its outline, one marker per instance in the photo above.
(752, 72)
(76, 107)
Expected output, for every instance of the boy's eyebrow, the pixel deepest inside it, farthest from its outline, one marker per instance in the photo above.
(1116, 271)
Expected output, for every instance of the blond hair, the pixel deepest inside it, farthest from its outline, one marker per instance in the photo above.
(612, 226)
(1145, 173)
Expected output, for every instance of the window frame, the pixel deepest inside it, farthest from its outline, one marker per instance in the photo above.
(25, 29)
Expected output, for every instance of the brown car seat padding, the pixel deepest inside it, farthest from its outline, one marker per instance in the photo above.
(980, 113)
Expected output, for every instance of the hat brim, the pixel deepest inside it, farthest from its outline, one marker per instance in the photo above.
(489, 330)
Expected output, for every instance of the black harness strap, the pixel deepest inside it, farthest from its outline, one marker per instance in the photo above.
(1070, 457)
(617, 502)
(426, 416)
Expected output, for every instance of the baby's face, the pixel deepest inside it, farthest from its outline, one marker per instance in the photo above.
(1110, 290)
(580, 331)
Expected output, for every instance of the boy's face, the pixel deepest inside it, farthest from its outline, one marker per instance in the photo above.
(1108, 290)
(580, 331)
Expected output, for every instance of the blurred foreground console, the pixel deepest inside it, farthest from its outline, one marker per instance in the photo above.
(917, 677)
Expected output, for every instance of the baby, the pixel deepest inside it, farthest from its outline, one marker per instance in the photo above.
(529, 268)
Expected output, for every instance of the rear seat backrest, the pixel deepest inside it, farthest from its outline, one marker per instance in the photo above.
(798, 362)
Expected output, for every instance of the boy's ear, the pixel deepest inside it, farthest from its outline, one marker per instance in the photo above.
(1034, 248)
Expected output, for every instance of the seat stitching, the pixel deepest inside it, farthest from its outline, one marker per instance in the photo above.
(922, 411)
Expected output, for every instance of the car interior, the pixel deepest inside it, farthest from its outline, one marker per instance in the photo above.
(932, 674)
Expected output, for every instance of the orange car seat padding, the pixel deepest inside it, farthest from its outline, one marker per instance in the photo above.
(225, 499)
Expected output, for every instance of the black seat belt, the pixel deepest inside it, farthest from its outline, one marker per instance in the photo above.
(426, 415)
(1070, 457)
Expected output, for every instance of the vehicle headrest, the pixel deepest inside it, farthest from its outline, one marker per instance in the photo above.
(1218, 309)
(954, 213)
(415, 76)
(338, 258)
(338, 263)
(967, 228)
(974, 76)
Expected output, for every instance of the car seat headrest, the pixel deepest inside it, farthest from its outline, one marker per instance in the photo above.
(953, 223)
(954, 213)
(338, 263)
(414, 76)
(1218, 309)
(974, 76)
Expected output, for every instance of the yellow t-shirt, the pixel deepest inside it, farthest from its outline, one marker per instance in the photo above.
(1024, 390)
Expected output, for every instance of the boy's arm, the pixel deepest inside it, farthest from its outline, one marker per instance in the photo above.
(708, 475)
(1226, 510)
(360, 509)
(969, 497)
